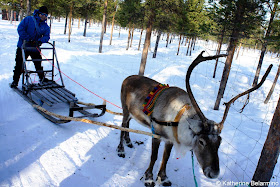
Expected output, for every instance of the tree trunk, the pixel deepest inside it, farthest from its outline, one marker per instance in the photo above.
(192, 45)
(167, 39)
(239, 18)
(194, 41)
(20, 14)
(145, 49)
(85, 28)
(240, 44)
(132, 32)
(12, 17)
(273, 86)
(231, 50)
(179, 44)
(156, 46)
(219, 51)
(112, 29)
(66, 19)
(140, 39)
(151, 17)
(113, 23)
(170, 39)
(188, 47)
(28, 8)
(70, 25)
(79, 23)
(51, 20)
(270, 151)
(103, 25)
(120, 31)
(264, 44)
(128, 37)
(186, 41)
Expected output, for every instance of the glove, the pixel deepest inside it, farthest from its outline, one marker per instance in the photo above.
(32, 42)
(39, 43)
(35, 43)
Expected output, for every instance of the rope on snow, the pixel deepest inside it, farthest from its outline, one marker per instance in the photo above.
(95, 122)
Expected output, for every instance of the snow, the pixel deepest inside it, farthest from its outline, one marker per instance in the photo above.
(36, 152)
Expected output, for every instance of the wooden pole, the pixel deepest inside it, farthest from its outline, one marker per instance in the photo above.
(96, 123)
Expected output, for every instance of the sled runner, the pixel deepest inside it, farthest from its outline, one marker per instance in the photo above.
(49, 93)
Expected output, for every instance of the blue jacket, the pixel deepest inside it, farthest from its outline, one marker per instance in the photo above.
(26, 30)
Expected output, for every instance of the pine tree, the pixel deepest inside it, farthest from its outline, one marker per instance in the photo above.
(245, 16)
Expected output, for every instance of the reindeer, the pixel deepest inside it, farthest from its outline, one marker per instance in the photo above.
(177, 118)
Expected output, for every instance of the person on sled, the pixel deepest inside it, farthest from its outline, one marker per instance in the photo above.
(35, 31)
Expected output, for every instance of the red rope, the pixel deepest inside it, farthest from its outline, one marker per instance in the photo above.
(79, 83)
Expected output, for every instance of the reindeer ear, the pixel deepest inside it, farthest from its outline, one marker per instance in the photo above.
(195, 125)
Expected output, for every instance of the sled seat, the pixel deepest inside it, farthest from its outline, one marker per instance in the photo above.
(52, 93)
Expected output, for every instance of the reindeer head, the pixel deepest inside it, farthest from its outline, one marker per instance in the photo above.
(207, 138)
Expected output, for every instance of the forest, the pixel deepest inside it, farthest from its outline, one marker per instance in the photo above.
(251, 23)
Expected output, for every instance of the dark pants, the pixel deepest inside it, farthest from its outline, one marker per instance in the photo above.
(19, 63)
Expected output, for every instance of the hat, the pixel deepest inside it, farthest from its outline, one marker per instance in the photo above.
(43, 9)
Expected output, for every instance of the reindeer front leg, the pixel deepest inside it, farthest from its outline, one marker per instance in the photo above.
(162, 178)
(149, 182)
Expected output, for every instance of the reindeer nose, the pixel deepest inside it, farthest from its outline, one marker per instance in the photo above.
(211, 173)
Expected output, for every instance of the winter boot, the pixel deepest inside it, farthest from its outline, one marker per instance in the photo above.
(15, 79)
(14, 84)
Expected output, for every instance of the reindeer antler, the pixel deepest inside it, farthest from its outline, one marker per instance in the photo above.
(221, 124)
(198, 59)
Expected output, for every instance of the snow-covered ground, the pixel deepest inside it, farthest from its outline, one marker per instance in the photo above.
(35, 152)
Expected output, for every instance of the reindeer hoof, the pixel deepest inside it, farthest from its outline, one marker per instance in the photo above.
(120, 151)
(130, 145)
(149, 183)
(164, 182)
(121, 154)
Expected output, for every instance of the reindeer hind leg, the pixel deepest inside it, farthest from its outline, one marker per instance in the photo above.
(127, 140)
(124, 135)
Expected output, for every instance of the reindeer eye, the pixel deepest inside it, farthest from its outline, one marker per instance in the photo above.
(202, 142)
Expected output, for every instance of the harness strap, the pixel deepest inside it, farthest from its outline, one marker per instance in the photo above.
(166, 123)
(149, 107)
(174, 124)
(176, 120)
